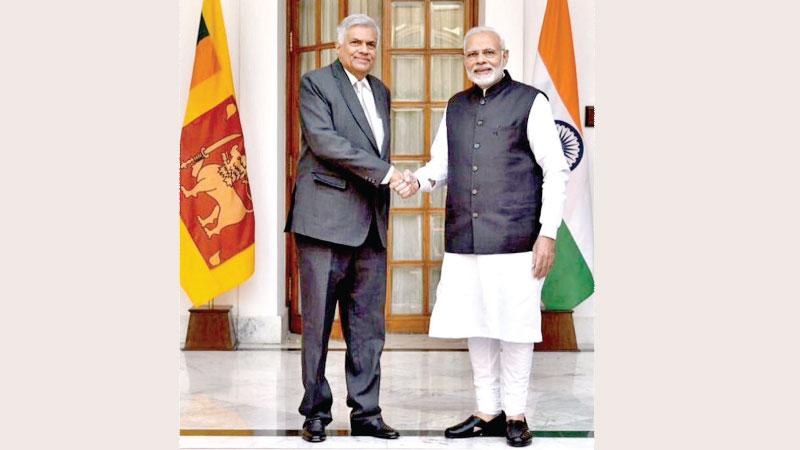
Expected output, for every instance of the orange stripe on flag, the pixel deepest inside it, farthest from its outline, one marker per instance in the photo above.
(555, 48)
(206, 63)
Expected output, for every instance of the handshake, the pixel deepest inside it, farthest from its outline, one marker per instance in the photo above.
(405, 183)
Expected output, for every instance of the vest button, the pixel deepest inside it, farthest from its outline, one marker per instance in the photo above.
(474, 168)
(483, 102)
(474, 192)
(474, 215)
(480, 122)
(477, 145)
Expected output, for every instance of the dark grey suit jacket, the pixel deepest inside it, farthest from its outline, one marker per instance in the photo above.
(337, 191)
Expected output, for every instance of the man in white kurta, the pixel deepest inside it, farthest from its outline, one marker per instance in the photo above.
(494, 299)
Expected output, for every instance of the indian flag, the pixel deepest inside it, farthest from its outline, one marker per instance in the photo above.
(570, 281)
(217, 227)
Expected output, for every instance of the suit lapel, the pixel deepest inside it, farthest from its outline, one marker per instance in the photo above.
(382, 103)
(349, 94)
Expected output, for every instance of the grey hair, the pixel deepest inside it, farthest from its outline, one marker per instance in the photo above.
(475, 30)
(355, 20)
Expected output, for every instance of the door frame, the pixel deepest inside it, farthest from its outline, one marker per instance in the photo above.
(396, 323)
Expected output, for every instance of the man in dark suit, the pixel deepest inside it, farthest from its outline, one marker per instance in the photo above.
(338, 214)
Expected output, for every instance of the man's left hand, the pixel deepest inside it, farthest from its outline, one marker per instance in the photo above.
(544, 254)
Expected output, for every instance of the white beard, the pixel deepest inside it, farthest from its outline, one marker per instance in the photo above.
(486, 81)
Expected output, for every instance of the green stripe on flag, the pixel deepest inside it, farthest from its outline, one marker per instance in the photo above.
(203, 31)
(570, 281)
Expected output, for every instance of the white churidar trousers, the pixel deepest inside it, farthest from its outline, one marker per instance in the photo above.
(501, 377)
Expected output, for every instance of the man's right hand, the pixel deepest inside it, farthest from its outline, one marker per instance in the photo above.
(405, 184)
(396, 181)
(544, 255)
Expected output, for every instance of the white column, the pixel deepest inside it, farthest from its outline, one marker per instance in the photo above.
(506, 17)
(262, 312)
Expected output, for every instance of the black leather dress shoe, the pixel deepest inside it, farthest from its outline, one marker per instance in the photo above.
(314, 430)
(517, 433)
(375, 428)
(475, 426)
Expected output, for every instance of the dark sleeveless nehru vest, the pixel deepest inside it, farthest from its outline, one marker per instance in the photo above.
(494, 186)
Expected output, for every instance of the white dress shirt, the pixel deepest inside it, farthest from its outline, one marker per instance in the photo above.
(367, 101)
(547, 150)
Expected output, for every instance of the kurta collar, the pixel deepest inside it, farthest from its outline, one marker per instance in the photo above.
(495, 88)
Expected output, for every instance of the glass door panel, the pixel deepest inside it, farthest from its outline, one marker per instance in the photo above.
(308, 62)
(330, 19)
(406, 290)
(408, 78)
(436, 117)
(408, 131)
(436, 234)
(308, 23)
(438, 197)
(447, 76)
(406, 237)
(408, 24)
(447, 24)
(433, 281)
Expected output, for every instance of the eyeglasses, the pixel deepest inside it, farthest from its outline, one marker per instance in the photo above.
(488, 53)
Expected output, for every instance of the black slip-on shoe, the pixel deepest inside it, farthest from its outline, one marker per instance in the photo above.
(518, 434)
(475, 426)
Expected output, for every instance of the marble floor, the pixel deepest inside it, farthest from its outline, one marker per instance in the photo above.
(249, 398)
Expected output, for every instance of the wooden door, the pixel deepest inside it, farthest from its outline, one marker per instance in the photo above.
(420, 59)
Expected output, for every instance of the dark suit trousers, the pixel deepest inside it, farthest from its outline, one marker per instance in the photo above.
(356, 277)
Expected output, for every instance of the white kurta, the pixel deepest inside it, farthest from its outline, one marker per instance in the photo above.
(496, 296)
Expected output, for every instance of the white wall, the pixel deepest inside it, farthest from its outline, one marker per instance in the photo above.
(519, 21)
(256, 42)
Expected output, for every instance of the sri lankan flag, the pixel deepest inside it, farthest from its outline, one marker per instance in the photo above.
(217, 229)
(570, 280)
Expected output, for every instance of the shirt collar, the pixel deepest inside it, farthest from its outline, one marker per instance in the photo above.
(354, 80)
